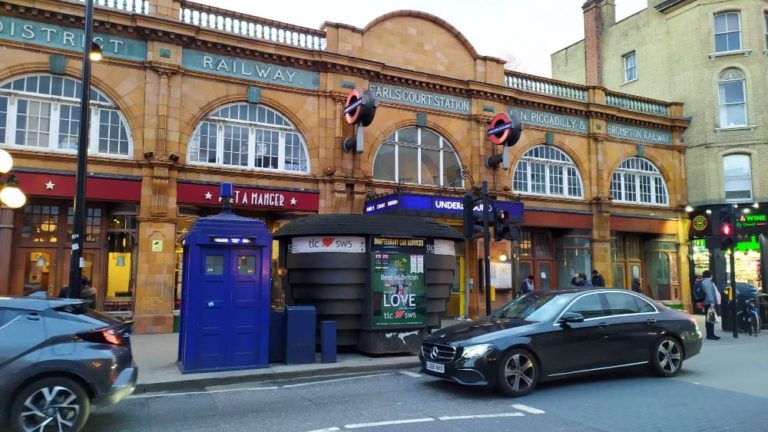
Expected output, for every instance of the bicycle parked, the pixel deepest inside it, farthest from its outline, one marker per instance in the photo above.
(748, 317)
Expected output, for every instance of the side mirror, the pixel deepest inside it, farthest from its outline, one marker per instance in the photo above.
(571, 317)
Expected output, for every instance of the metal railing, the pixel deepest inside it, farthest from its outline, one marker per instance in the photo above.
(636, 104)
(132, 6)
(250, 26)
(535, 84)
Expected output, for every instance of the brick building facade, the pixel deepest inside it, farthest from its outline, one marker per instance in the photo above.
(189, 96)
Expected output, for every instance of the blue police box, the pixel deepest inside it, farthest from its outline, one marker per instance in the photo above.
(225, 303)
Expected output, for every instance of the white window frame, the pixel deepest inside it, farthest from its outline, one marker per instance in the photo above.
(627, 177)
(729, 76)
(737, 159)
(630, 66)
(724, 16)
(253, 125)
(563, 160)
(444, 149)
(13, 97)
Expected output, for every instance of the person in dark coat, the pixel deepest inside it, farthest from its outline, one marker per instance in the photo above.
(597, 279)
(527, 285)
(636, 285)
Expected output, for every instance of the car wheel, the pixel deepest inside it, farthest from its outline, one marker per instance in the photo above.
(667, 357)
(518, 373)
(50, 404)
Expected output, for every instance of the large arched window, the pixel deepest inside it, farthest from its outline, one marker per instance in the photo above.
(638, 181)
(248, 136)
(420, 156)
(43, 112)
(547, 170)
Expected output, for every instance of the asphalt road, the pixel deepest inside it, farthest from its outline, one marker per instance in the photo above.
(409, 401)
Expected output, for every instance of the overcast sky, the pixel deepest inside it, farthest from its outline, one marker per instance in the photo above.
(527, 31)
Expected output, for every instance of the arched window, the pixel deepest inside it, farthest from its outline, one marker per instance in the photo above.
(248, 136)
(638, 181)
(546, 170)
(43, 112)
(732, 98)
(420, 156)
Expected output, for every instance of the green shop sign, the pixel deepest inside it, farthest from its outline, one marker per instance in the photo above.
(421, 99)
(651, 136)
(71, 39)
(397, 282)
(752, 223)
(249, 69)
(550, 120)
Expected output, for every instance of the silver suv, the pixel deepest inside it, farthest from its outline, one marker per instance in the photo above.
(57, 357)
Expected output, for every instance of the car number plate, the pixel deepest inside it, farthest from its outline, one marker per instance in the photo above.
(435, 367)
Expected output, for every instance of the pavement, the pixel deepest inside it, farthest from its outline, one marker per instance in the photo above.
(156, 357)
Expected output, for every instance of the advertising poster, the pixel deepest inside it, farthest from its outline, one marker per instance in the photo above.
(399, 295)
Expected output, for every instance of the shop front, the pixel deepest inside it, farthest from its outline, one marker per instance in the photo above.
(750, 251)
(274, 207)
(42, 246)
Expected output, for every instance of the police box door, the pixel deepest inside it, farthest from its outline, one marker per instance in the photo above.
(230, 325)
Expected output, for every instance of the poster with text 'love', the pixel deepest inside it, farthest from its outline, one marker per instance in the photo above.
(399, 295)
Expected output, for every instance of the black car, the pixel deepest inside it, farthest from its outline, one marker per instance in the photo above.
(57, 357)
(547, 335)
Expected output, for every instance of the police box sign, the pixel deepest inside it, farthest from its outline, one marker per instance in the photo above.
(343, 244)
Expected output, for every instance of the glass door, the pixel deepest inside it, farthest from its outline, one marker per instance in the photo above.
(544, 275)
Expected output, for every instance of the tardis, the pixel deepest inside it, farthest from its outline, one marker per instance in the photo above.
(226, 290)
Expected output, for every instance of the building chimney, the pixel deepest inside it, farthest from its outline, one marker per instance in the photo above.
(598, 15)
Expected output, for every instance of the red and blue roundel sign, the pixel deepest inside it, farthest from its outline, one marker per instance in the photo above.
(352, 107)
(505, 130)
(499, 129)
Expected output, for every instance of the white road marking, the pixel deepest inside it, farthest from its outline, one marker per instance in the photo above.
(388, 423)
(528, 409)
(335, 380)
(480, 416)
(410, 374)
(201, 392)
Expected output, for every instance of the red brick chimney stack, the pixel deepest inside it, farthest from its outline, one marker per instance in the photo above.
(598, 15)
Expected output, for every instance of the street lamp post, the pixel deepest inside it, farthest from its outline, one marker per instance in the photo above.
(78, 228)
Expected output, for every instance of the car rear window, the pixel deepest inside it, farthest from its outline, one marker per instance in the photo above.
(86, 314)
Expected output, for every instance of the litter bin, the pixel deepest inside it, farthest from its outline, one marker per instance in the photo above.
(300, 334)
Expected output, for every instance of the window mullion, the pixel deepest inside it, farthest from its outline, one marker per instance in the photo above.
(53, 130)
(219, 144)
(397, 163)
(10, 132)
(251, 147)
(418, 165)
(440, 154)
(93, 138)
(281, 151)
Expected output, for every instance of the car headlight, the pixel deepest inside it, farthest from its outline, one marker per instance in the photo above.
(474, 351)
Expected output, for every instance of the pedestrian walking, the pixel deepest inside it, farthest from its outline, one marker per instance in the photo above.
(636, 285)
(527, 285)
(711, 301)
(585, 283)
(597, 279)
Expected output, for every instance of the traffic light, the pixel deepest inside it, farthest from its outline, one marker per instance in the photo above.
(472, 225)
(500, 224)
(727, 230)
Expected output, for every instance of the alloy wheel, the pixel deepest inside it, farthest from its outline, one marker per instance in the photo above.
(54, 408)
(520, 373)
(669, 356)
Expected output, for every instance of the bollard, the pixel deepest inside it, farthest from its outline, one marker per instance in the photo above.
(328, 341)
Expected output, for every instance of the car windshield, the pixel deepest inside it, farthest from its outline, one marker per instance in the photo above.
(535, 306)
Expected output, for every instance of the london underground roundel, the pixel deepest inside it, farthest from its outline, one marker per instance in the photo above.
(504, 130)
(360, 108)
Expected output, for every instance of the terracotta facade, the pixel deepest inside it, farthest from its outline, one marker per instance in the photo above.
(164, 99)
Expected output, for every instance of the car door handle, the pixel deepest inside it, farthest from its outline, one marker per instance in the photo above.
(602, 324)
(650, 321)
(33, 317)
